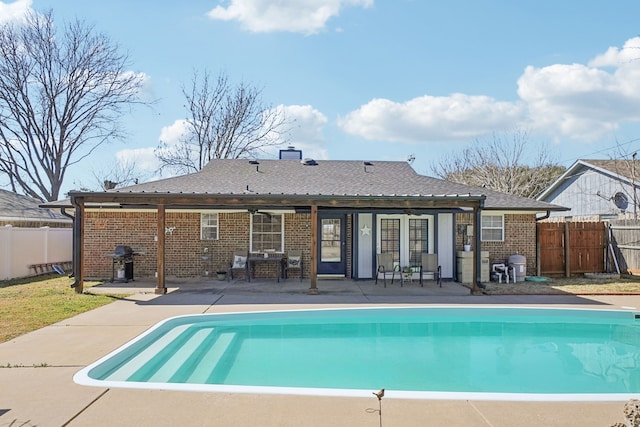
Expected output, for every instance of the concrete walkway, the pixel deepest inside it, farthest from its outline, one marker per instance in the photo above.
(36, 387)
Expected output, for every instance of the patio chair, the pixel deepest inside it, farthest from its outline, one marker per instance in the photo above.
(430, 267)
(386, 267)
(293, 262)
(239, 263)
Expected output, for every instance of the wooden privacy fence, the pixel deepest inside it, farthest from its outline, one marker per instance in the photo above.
(566, 248)
(625, 240)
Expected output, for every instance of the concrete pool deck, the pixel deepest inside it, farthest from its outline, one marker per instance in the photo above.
(36, 386)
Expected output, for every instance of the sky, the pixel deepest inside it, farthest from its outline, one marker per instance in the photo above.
(381, 79)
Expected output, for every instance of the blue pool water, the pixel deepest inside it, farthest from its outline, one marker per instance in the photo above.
(442, 352)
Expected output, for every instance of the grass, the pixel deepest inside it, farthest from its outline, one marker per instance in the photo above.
(32, 303)
(625, 285)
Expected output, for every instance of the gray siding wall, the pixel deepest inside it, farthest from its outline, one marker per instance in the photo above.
(589, 192)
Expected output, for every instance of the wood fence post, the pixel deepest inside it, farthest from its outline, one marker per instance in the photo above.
(567, 250)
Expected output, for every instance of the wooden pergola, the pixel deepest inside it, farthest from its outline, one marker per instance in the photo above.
(307, 203)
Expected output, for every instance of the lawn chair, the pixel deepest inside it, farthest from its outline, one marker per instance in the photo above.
(293, 262)
(239, 263)
(386, 267)
(430, 267)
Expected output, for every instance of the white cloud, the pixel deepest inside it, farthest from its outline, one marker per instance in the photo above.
(583, 102)
(14, 11)
(580, 101)
(428, 118)
(615, 57)
(143, 158)
(297, 16)
(306, 133)
(171, 135)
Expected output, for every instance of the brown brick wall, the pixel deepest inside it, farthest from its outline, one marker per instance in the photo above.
(520, 237)
(184, 250)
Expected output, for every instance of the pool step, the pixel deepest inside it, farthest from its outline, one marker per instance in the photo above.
(175, 362)
(211, 359)
(131, 367)
(172, 365)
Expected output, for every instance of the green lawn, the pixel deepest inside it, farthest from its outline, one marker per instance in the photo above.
(30, 304)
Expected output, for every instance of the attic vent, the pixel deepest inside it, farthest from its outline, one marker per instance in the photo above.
(367, 164)
(308, 162)
(255, 162)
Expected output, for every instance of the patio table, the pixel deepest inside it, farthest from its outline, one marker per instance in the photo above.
(251, 261)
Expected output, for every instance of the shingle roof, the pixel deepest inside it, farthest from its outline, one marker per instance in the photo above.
(22, 208)
(327, 178)
(623, 168)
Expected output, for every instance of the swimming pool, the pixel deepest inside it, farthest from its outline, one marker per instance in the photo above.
(413, 352)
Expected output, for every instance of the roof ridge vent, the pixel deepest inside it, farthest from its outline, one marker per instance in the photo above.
(308, 162)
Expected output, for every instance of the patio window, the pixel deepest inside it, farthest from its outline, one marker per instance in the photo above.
(492, 228)
(418, 240)
(209, 226)
(267, 232)
(390, 238)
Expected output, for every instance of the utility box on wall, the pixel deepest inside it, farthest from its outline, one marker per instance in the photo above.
(465, 266)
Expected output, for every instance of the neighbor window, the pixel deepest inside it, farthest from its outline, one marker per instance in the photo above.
(492, 228)
(267, 232)
(209, 226)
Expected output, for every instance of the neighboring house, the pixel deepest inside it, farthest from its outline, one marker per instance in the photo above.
(22, 211)
(340, 214)
(595, 190)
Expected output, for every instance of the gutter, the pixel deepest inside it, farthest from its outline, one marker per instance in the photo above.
(545, 216)
(63, 211)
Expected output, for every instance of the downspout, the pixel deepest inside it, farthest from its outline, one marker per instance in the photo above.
(538, 256)
(64, 212)
(77, 245)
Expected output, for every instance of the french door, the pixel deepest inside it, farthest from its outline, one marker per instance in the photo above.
(405, 237)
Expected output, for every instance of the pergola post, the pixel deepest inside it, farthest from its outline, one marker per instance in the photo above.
(161, 287)
(477, 286)
(313, 278)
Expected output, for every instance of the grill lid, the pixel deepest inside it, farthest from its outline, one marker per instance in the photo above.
(123, 250)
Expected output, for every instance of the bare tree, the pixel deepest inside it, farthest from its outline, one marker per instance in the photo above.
(121, 174)
(498, 164)
(224, 122)
(62, 94)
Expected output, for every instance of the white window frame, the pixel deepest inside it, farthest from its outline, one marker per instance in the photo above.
(281, 215)
(204, 224)
(492, 227)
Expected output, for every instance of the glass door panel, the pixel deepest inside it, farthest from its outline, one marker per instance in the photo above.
(331, 240)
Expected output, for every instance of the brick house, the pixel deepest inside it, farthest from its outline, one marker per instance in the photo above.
(339, 214)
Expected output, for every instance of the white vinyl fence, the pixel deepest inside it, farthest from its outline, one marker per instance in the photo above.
(22, 247)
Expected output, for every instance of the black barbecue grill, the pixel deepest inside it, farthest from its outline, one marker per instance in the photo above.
(122, 257)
